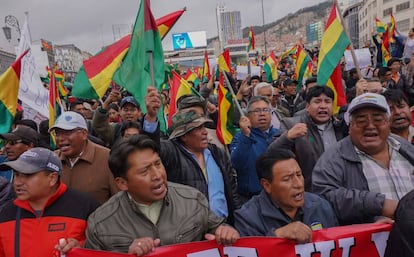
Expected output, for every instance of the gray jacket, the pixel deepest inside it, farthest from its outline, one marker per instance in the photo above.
(308, 148)
(338, 176)
(184, 217)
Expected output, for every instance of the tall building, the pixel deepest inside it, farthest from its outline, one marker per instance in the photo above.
(314, 32)
(230, 25)
(351, 20)
(69, 59)
(403, 11)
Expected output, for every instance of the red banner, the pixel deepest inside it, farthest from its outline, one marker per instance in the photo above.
(348, 241)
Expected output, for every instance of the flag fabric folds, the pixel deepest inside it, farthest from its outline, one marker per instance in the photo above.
(224, 61)
(206, 76)
(54, 105)
(391, 29)
(225, 129)
(9, 89)
(178, 87)
(192, 77)
(250, 46)
(302, 62)
(270, 67)
(333, 45)
(289, 52)
(144, 55)
(380, 26)
(385, 48)
(94, 77)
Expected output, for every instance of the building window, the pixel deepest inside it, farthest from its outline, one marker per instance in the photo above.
(386, 1)
(387, 11)
(403, 25)
(403, 6)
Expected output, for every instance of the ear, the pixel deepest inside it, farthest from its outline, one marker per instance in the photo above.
(266, 185)
(121, 183)
(54, 178)
(307, 106)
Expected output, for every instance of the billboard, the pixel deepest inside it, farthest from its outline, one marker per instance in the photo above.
(188, 40)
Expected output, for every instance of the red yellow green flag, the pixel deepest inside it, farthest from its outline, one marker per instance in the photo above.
(178, 87)
(225, 128)
(302, 62)
(250, 46)
(385, 48)
(270, 67)
(54, 105)
(192, 77)
(380, 26)
(206, 76)
(94, 77)
(290, 51)
(9, 89)
(224, 61)
(391, 29)
(333, 45)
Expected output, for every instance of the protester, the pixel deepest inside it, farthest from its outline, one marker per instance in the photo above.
(85, 164)
(283, 209)
(45, 210)
(364, 175)
(191, 160)
(21, 139)
(113, 113)
(149, 211)
(291, 98)
(312, 133)
(255, 134)
(130, 128)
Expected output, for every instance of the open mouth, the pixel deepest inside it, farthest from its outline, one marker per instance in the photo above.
(299, 196)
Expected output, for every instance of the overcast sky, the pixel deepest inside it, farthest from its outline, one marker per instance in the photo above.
(88, 24)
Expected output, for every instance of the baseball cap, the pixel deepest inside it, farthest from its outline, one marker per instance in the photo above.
(22, 132)
(367, 100)
(184, 121)
(70, 120)
(290, 81)
(187, 101)
(35, 160)
(129, 99)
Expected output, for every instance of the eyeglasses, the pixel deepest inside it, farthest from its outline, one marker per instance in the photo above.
(260, 110)
(363, 120)
(64, 133)
(15, 142)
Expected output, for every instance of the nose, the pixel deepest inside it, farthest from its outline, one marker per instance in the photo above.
(298, 182)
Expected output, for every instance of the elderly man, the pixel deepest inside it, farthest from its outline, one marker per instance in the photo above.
(283, 208)
(191, 160)
(255, 135)
(45, 210)
(85, 164)
(21, 139)
(149, 211)
(312, 133)
(364, 175)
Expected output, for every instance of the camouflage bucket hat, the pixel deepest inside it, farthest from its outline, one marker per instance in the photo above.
(185, 121)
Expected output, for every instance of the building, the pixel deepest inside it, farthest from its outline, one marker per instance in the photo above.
(314, 32)
(351, 20)
(403, 11)
(69, 59)
(229, 26)
(6, 59)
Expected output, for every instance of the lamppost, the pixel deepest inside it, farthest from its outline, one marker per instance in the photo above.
(264, 31)
(11, 21)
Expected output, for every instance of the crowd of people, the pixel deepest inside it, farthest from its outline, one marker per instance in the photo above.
(116, 182)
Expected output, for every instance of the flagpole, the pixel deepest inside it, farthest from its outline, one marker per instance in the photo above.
(233, 94)
(354, 58)
(151, 66)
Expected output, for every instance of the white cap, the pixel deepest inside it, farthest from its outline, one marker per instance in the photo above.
(70, 120)
(367, 100)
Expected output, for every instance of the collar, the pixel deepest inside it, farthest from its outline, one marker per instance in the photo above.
(87, 154)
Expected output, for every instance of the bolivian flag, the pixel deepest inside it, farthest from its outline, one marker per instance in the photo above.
(270, 67)
(302, 62)
(9, 89)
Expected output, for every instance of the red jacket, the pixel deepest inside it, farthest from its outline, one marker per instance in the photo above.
(64, 216)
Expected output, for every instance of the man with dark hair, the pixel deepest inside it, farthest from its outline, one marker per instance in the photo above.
(149, 211)
(384, 75)
(45, 209)
(312, 133)
(291, 99)
(21, 139)
(255, 135)
(130, 128)
(400, 119)
(283, 208)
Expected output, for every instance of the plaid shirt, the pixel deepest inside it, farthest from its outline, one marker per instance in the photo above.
(394, 182)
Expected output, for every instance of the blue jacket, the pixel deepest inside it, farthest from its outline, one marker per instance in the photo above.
(260, 217)
(244, 152)
(7, 174)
